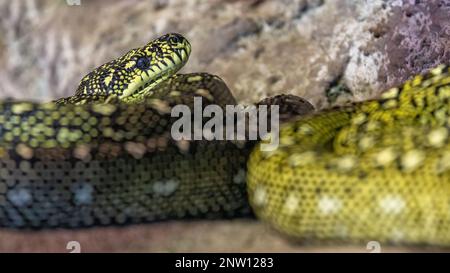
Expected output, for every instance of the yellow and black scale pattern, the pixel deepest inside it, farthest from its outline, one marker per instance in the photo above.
(376, 170)
(82, 162)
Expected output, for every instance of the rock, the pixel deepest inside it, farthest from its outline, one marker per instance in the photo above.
(417, 38)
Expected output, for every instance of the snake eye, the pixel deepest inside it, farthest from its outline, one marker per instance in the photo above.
(174, 40)
(143, 63)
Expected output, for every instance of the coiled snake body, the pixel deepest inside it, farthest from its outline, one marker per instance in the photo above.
(376, 170)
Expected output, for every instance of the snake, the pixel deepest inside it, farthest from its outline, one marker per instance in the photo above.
(373, 170)
(370, 170)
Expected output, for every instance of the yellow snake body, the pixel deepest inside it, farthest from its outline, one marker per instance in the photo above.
(376, 170)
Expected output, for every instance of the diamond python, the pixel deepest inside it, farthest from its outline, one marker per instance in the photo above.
(374, 170)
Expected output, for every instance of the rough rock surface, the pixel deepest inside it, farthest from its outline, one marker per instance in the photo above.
(326, 51)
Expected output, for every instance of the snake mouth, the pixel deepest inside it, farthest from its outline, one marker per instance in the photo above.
(142, 85)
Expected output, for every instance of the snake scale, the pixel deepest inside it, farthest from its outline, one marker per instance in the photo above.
(373, 170)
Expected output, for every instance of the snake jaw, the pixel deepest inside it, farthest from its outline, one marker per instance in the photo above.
(142, 86)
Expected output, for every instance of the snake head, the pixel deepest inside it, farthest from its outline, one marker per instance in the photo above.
(132, 77)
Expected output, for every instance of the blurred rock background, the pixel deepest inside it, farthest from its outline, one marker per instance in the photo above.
(326, 51)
